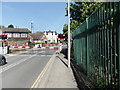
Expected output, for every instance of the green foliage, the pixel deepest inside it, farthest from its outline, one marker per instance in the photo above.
(1, 26)
(62, 41)
(73, 25)
(53, 43)
(65, 28)
(10, 26)
(79, 11)
(30, 44)
(29, 31)
(39, 42)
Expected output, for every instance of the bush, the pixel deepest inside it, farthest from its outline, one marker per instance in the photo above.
(53, 43)
(39, 42)
(31, 44)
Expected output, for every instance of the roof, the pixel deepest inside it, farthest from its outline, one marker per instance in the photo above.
(37, 35)
(15, 30)
(50, 31)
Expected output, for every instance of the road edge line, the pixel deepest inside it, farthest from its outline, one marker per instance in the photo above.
(37, 81)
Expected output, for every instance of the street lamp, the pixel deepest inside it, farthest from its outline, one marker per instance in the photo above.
(68, 33)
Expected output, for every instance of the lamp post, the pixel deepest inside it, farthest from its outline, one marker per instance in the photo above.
(68, 33)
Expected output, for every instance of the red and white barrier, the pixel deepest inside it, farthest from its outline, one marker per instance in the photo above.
(35, 47)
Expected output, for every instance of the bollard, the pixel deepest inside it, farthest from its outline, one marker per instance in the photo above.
(60, 47)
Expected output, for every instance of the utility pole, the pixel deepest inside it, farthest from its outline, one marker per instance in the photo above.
(32, 28)
(69, 33)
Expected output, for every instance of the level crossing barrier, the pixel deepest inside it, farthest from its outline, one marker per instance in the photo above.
(34, 47)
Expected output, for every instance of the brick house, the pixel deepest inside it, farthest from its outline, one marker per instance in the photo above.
(38, 37)
(17, 36)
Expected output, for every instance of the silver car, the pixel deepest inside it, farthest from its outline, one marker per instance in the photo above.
(2, 60)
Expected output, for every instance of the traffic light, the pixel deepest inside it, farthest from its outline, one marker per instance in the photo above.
(3, 36)
(61, 35)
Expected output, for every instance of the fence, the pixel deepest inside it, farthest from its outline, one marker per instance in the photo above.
(96, 45)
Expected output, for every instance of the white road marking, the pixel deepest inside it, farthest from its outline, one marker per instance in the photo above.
(14, 64)
(22, 60)
(10, 55)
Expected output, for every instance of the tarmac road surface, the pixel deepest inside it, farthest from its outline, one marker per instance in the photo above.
(24, 67)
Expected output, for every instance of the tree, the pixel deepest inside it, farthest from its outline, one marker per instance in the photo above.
(73, 25)
(10, 26)
(29, 31)
(79, 11)
(1, 26)
(65, 28)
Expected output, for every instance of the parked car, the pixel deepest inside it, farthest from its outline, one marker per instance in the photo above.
(2, 60)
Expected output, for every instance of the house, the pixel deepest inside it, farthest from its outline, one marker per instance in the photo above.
(17, 36)
(51, 36)
(38, 37)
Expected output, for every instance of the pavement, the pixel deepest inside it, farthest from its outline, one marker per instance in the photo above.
(57, 74)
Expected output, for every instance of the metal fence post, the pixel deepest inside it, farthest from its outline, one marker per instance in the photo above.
(119, 55)
(119, 49)
(99, 40)
(87, 51)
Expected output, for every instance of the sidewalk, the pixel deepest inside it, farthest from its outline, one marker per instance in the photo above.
(58, 75)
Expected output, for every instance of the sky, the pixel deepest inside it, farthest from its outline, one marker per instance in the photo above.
(44, 15)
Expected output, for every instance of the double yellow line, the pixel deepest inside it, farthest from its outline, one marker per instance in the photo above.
(37, 81)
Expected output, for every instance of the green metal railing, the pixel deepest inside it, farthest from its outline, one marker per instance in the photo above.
(96, 45)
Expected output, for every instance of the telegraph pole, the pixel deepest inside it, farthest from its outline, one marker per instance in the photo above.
(32, 29)
(69, 33)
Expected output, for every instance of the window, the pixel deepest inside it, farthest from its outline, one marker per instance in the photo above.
(49, 40)
(23, 44)
(16, 35)
(23, 35)
(8, 34)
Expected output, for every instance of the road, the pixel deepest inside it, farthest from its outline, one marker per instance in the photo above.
(24, 67)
